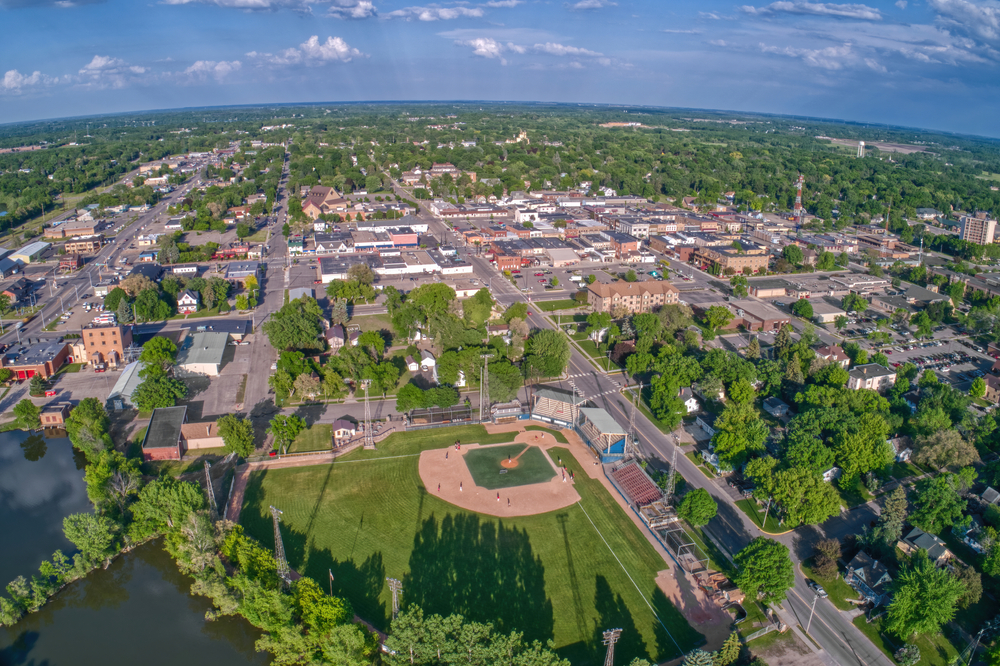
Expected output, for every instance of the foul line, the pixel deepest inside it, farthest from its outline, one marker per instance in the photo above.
(679, 650)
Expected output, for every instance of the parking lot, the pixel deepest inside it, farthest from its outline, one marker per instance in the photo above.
(953, 361)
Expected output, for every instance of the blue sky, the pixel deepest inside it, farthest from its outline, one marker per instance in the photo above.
(926, 63)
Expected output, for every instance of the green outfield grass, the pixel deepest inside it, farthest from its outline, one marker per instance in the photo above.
(485, 466)
(552, 576)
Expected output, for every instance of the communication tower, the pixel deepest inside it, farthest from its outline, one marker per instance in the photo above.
(611, 637)
(279, 549)
(369, 436)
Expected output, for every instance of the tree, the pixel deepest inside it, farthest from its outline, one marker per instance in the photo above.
(908, 655)
(753, 349)
(972, 581)
(924, 598)
(306, 385)
(37, 385)
(361, 273)
(373, 343)
(840, 322)
(554, 281)
(149, 306)
(285, 429)
(630, 276)
(825, 556)
(87, 426)
(517, 310)
(297, 325)
(938, 504)
(548, 351)
(742, 391)
(410, 397)
(28, 415)
(730, 651)
(739, 285)
(978, 388)
(854, 303)
(124, 312)
(805, 496)
(739, 432)
(698, 657)
(4, 303)
(764, 570)
(924, 324)
(889, 528)
(157, 392)
(792, 254)
(945, 448)
(158, 355)
(826, 261)
(237, 434)
(96, 536)
(697, 507)
(716, 317)
(803, 308)
(114, 297)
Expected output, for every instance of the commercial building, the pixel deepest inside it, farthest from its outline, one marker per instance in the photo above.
(121, 395)
(239, 271)
(106, 344)
(871, 376)
(84, 244)
(977, 229)
(54, 414)
(201, 353)
(729, 259)
(163, 436)
(31, 252)
(43, 358)
(634, 296)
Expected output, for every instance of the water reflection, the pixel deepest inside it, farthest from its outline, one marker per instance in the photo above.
(41, 482)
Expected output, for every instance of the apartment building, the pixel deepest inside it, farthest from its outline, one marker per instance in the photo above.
(977, 228)
(635, 296)
(106, 343)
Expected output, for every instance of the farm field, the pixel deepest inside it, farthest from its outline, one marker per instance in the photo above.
(552, 576)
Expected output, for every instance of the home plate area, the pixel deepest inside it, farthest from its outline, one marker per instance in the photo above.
(518, 479)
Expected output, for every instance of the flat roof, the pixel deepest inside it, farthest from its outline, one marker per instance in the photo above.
(603, 421)
(164, 430)
(202, 347)
(37, 354)
(230, 326)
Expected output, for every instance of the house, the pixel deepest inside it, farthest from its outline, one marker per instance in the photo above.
(163, 436)
(776, 407)
(427, 360)
(690, 402)
(343, 430)
(54, 415)
(992, 388)
(871, 376)
(831, 474)
(412, 365)
(917, 539)
(18, 290)
(834, 354)
(187, 302)
(335, 337)
(902, 448)
(200, 436)
(869, 578)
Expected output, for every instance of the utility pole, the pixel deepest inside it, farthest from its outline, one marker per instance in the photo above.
(369, 438)
(812, 611)
(279, 549)
(209, 489)
(396, 588)
(484, 388)
(611, 637)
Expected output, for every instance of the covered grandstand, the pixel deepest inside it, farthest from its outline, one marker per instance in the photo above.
(555, 405)
(602, 433)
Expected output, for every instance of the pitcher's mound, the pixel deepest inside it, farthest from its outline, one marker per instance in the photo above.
(509, 463)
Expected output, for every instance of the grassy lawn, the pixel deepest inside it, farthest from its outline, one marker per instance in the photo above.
(193, 461)
(749, 507)
(552, 306)
(852, 497)
(569, 319)
(697, 460)
(317, 438)
(550, 576)
(69, 367)
(375, 322)
(555, 433)
(903, 470)
(258, 237)
(935, 650)
(208, 312)
(838, 590)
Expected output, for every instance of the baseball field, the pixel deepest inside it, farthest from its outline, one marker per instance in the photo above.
(565, 575)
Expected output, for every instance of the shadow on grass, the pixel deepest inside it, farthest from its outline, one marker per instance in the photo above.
(483, 570)
(614, 614)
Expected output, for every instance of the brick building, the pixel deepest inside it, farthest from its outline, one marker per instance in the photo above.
(163, 436)
(106, 344)
(43, 358)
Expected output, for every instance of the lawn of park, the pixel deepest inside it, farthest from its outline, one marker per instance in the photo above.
(565, 575)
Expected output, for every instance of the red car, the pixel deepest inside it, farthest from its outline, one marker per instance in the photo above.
(543, 280)
(49, 394)
(515, 272)
(539, 274)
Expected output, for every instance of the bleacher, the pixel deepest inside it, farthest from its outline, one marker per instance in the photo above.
(658, 515)
(638, 488)
(553, 404)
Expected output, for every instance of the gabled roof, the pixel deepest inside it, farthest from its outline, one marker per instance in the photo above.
(187, 295)
(870, 371)
(934, 546)
(832, 351)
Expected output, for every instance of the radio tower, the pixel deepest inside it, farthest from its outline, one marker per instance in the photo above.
(369, 438)
(396, 587)
(797, 212)
(210, 490)
(279, 549)
(611, 637)
(484, 388)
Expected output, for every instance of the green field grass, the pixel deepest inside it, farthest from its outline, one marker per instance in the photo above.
(555, 433)
(317, 438)
(552, 306)
(485, 466)
(565, 575)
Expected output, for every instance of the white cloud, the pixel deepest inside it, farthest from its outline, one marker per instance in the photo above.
(108, 72)
(15, 82)
(901, 4)
(978, 20)
(831, 57)
(849, 11)
(717, 42)
(250, 5)
(562, 50)
(311, 52)
(875, 65)
(434, 13)
(593, 4)
(503, 3)
(219, 70)
(352, 9)
(681, 32)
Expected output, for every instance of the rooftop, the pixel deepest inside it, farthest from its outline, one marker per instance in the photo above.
(603, 421)
(164, 429)
(870, 370)
(202, 347)
(36, 354)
